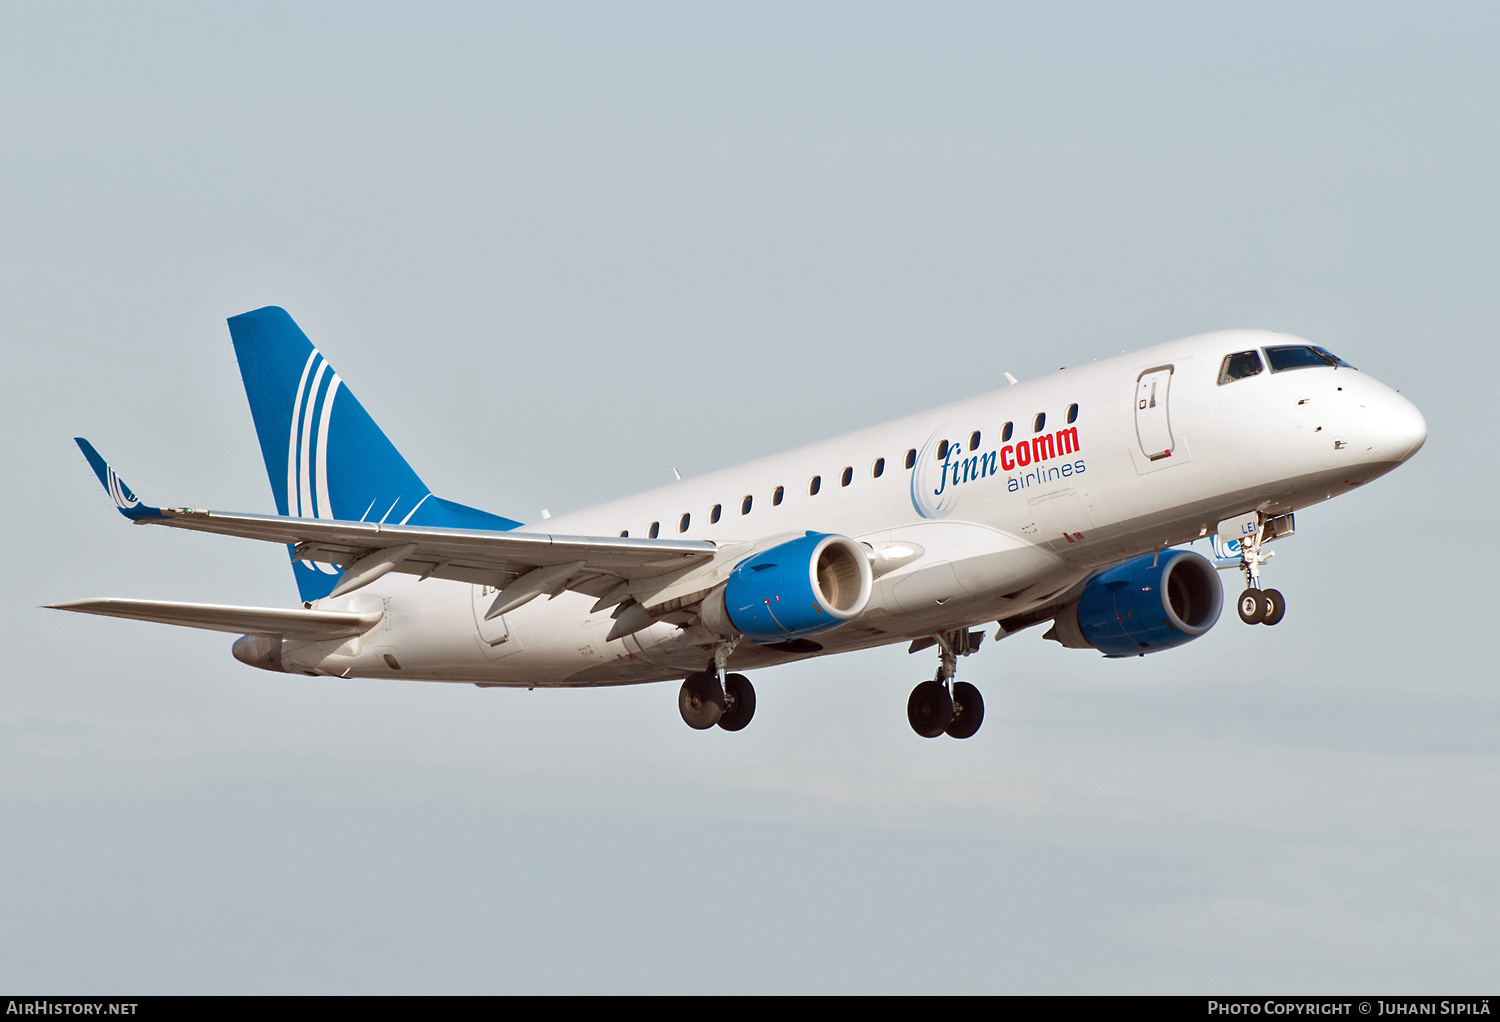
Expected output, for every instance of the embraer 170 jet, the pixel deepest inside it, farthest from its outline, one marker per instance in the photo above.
(1064, 499)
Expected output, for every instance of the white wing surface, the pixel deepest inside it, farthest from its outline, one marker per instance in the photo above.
(465, 555)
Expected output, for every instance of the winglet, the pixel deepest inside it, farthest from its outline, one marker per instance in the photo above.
(129, 505)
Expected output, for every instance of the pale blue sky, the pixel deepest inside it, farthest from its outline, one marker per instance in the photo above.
(557, 250)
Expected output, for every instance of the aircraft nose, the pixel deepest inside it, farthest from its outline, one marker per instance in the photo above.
(1397, 427)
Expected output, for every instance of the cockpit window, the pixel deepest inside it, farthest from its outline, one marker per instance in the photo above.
(1239, 365)
(1302, 356)
(1332, 357)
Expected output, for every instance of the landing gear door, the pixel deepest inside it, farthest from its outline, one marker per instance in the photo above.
(1152, 427)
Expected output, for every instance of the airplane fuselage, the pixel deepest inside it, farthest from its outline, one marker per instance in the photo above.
(1001, 503)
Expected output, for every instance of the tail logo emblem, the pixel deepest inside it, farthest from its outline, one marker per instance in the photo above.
(307, 446)
(119, 492)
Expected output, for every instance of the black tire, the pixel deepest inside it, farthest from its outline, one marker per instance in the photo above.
(1275, 606)
(701, 701)
(930, 709)
(968, 711)
(1252, 606)
(739, 702)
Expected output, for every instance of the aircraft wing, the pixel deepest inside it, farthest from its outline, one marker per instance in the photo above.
(472, 555)
(310, 625)
(543, 564)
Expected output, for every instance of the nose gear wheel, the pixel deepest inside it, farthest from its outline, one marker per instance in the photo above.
(1275, 606)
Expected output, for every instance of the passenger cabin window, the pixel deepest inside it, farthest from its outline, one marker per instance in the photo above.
(911, 457)
(1072, 414)
(745, 504)
(655, 529)
(624, 533)
(1240, 365)
(1005, 433)
(1039, 423)
(776, 497)
(942, 451)
(684, 522)
(974, 440)
(814, 486)
(1302, 356)
(878, 469)
(847, 477)
(713, 516)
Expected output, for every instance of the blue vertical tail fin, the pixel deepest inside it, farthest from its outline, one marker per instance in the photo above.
(324, 454)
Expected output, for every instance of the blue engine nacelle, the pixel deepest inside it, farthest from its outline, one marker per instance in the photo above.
(1141, 607)
(802, 587)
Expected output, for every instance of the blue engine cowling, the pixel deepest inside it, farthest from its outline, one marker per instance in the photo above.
(1142, 607)
(801, 587)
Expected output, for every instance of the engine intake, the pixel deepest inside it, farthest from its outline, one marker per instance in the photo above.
(1139, 607)
(802, 587)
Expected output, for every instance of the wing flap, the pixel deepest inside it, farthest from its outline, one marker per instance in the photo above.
(309, 625)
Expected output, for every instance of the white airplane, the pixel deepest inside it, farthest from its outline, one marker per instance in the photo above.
(1062, 500)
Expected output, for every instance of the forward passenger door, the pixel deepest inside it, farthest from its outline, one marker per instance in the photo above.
(1153, 428)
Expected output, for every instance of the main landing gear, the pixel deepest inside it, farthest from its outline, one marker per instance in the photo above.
(713, 697)
(943, 706)
(1259, 606)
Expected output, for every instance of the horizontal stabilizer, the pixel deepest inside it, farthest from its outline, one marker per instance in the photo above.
(307, 625)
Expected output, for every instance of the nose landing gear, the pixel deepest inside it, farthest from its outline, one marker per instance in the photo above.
(943, 706)
(1262, 606)
(1259, 606)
